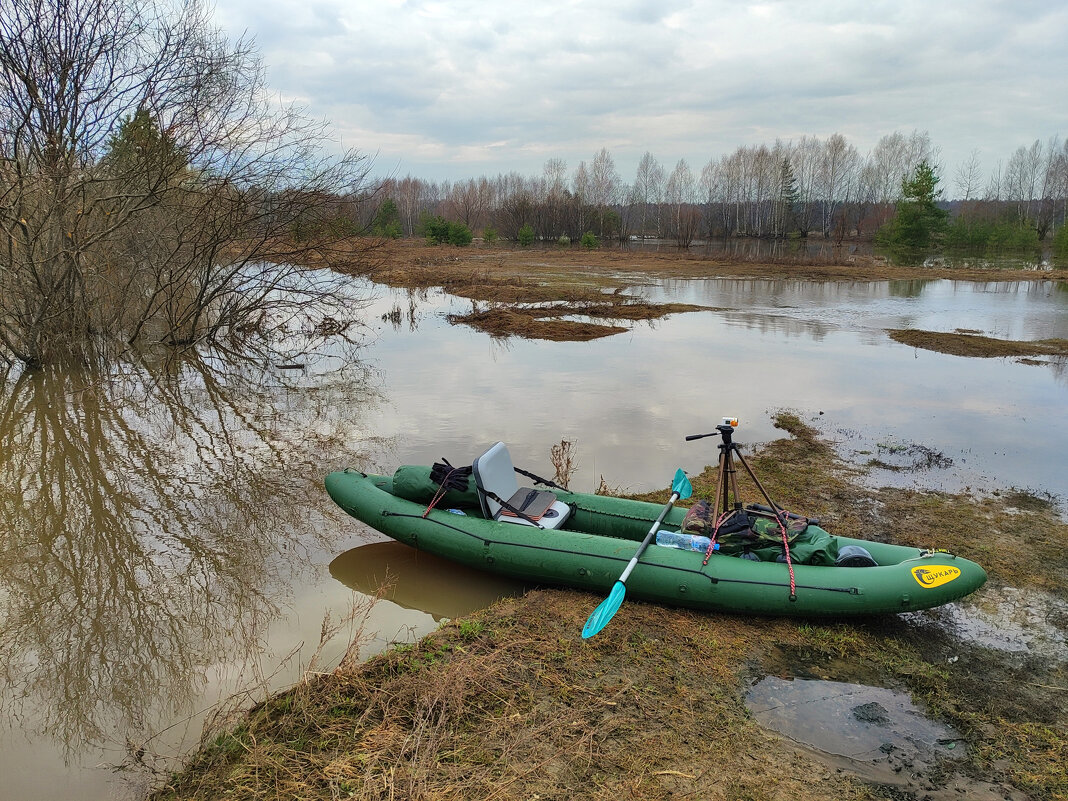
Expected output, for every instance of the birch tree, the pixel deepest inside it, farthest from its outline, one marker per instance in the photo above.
(603, 186)
(679, 196)
(648, 189)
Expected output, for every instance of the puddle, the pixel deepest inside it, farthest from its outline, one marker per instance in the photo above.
(1007, 619)
(874, 732)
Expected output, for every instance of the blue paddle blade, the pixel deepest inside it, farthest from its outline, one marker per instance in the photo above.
(681, 484)
(603, 613)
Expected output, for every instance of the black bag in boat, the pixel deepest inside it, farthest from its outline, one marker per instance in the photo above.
(420, 484)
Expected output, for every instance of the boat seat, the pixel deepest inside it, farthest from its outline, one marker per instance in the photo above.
(494, 472)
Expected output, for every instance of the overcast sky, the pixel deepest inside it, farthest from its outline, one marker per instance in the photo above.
(446, 90)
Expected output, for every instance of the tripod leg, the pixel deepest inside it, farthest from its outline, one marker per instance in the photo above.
(734, 480)
(775, 507)
(721, 487)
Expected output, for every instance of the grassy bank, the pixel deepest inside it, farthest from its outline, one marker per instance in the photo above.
(511, 703)
(971, 343)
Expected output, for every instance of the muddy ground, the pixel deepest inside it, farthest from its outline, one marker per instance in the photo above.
(511, 703)
(525, 292)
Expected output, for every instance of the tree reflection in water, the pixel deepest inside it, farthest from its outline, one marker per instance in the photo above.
(151, 517)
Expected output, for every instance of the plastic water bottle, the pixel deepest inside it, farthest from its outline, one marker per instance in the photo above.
(687, 542)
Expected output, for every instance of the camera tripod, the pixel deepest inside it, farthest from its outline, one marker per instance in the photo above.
(727, 483)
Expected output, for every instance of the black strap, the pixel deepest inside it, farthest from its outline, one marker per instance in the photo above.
(510, 508)
(539, 479)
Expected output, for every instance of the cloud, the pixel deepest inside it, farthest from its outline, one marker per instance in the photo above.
(465, 88)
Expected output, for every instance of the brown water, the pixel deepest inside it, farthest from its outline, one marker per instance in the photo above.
(166, 541)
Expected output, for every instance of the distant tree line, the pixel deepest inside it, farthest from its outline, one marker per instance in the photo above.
(808, 187)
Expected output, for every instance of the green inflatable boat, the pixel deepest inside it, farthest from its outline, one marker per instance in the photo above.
(479, 516)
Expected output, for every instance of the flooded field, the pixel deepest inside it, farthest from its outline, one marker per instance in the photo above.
(170, 544)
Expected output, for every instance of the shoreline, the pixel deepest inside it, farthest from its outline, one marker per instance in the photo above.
(512, 703)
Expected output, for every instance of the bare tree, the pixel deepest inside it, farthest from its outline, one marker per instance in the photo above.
(604, 184)
(516, 204)
(413, 196)
(149, 189)
(626, 203)
(471, 201)
(710, 188)
(649, 188)
(969, 174)
(837, 178)
(1022, 176)
(582, 186)
(805, 159)
(680, 196)
(995, 185)
(555, 197)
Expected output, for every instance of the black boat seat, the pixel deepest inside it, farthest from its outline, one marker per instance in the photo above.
(495, 473)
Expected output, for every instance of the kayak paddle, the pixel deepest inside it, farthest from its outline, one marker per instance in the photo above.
(680, 488)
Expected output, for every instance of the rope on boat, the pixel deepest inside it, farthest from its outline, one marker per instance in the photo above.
(712, 544)
(443, 487)
(786, 552)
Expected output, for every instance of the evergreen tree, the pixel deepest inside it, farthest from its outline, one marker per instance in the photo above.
(918, 226)
(438, 231)
(387, 220)
(789, 200)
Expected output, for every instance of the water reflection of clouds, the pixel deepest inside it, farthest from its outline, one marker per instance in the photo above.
(1006, 309)
(627, 400)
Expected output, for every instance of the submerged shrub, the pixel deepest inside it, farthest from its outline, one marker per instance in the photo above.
(990, 237)
(1060, 245)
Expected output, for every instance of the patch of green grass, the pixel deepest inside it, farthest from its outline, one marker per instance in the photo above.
(469, 629)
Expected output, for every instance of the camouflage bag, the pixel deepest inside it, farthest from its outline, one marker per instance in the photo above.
(741, 531)
(699, 521)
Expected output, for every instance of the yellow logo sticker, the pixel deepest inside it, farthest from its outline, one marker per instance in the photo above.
(934, 575)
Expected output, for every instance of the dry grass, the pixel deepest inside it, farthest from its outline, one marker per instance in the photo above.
(528, 324)
(415, 264)
(543, 322)
(564, 461)
(512, 704)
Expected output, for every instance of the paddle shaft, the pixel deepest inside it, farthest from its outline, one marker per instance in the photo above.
(599, 617)
(648, 537)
